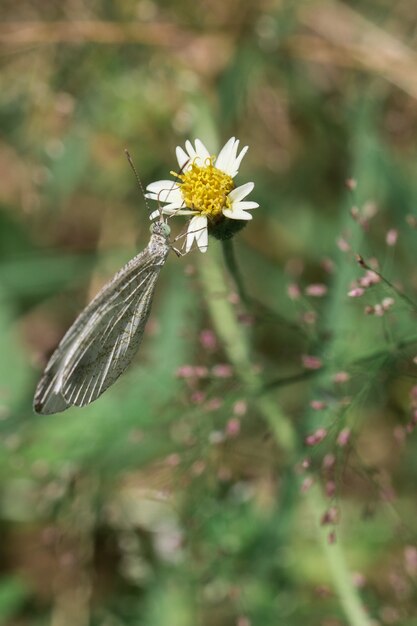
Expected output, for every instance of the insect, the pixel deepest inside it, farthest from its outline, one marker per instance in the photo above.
(106, 335)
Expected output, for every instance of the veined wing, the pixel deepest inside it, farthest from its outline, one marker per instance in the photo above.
(104, 338)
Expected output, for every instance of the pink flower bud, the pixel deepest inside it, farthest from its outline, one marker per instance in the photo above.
(329, 462)
(222, 370)
(316, 437)
(318, 405)
(316, 290)
(306, 484)
(208, 339)
(387, 303)
(240, 407)
(343, 245)
(233, 427)
(356, 292)
(311, 362)
(351, 184)
(391, 237)
(293, 291)
(341, 377)
(331, 516)
(343, 437)
(330, 488)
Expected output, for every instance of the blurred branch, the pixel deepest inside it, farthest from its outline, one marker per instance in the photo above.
(23, 33)
(164, 34)
(344, 37)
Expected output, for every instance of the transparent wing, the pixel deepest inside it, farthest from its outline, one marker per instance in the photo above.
(104, 338)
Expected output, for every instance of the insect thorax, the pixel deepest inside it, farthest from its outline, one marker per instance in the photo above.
(160, 228)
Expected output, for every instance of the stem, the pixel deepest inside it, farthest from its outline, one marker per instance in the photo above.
(250, 302)
(232, 266)
(236, 345)
(389, 284)
(341, 575)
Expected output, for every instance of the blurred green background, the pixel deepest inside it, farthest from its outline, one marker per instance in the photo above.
(168, 501)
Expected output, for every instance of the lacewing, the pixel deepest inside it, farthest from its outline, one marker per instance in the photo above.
(105, 337)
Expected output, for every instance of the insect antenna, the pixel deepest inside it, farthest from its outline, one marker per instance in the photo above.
(141, 187)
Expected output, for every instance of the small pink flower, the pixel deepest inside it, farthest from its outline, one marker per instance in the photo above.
(214, 404)
(307, 483)
(344, 437)
(208, 339)
(240, 407)
(293, 291)
(356, 292)
(311, 362)
(370, 278)
(316, 437)
(387, 303)
(351, 184)
(316, 290)
(330, 488)
(222, 370)
(391, 237)
(370, 209)
(331, 516)
(341, 377)
(233, 427)
(343, 245)
(329, 462)
(185, 371)
(198, 397)
(318, 405)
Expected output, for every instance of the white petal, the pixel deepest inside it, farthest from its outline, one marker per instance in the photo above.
(238, 160)
(173, 207)
(202, 153)
(184, 212)
(166, 195)
(197, 230)
(169, 209)
(182, 158)
(237, 214)
(190, 149)
(241, 192)
(160, 185)
(226, 155)
(245, 205)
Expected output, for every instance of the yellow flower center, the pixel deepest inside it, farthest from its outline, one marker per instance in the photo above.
(206, 189)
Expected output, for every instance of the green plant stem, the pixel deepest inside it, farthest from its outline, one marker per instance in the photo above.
(236, 345)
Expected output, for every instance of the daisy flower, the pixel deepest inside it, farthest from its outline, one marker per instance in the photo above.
(206, 190)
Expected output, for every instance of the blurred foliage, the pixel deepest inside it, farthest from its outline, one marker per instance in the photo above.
(167, 501)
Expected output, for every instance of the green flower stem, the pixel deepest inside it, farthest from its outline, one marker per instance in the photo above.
(236, 345)
(341, 575)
